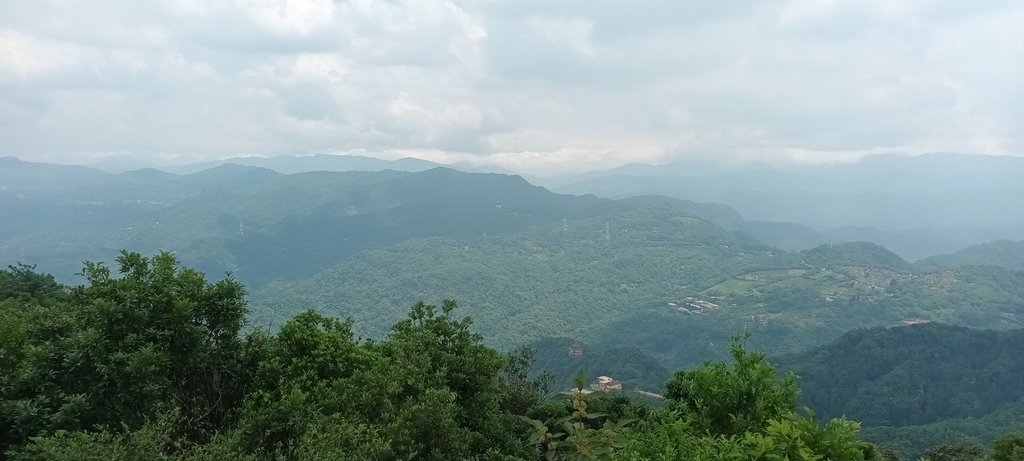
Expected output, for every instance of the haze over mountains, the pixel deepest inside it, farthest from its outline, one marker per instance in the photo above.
(641, 284)
(361, 243)
(916, 206)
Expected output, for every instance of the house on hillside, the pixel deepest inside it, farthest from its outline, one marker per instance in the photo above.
(601, 384)
(605, 384)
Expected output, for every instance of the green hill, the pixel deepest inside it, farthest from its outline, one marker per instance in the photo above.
(854, 254)
(268, 225)
(670, 285)
(1003, 253)
(667, 278)
(567, 278)
(913, 386)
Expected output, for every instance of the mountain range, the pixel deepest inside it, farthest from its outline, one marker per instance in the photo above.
(630, 287)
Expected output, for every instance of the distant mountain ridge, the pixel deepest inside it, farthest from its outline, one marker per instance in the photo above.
(267, 223)
(291, 164)
(19, 176)
(231, 215)
(916, 206)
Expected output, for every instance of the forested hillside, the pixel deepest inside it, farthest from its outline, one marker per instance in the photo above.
(268, 225)
(669, 285)
(262, 223)
(1002, 253)
(669, 279)
(915, 386)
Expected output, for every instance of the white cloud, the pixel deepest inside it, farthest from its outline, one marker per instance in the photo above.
(285, 17)
(23, 57)
(533, 85)
(573, 34)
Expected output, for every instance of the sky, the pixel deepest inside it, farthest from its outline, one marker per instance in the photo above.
(536, 86)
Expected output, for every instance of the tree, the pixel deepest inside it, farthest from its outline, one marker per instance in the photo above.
(118, 350)
(959, 450)
(741, 410)
(580, 436)
(732, 399)
(1008, 447)
(22, 282)
(430, 390)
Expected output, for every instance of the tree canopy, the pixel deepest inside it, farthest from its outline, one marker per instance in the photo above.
(152, 361)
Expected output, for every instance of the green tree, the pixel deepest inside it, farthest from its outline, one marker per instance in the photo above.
(22, 282)
(118, 350)
(430, 390)
(958, 450)
(739, 411)
(582, 435)
(732, 399)
(1008, 447)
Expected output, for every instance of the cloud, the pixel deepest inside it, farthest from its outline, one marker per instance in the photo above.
(532, 85)
(573, 34)
(299, 17)
(24, 57)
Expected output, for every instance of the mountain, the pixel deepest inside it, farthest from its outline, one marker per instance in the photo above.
(653, 280)
(567, 277)
(290, 164)
(863, 254)
(916, 206)
(668, 277)
(1003, 253)
(266, 224)
(788, 236)
(21, 177)
(913, 386)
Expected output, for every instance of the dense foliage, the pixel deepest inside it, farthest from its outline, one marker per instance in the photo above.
(624, 281)
(918, 385)
(152, 363)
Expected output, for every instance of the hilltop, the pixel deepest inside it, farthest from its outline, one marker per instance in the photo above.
(1002, 253)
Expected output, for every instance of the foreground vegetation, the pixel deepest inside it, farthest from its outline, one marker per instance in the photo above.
(154, 363)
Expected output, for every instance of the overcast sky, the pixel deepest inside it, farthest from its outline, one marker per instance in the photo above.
(533, 85)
